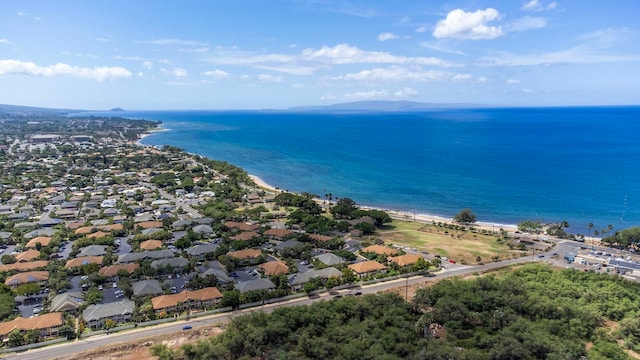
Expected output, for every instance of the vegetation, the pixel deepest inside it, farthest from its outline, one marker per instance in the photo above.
(465, 216)
(529, 313)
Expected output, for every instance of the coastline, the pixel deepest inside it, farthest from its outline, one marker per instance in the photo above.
(399, 214)
(394, 213)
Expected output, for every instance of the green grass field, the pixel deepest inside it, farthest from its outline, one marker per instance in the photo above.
(454, 244)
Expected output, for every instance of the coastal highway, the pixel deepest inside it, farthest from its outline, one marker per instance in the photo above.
(64, 350)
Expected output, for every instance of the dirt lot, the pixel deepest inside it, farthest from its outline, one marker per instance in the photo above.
(139, 349)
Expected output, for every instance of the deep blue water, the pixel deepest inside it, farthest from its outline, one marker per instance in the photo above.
(507, 165)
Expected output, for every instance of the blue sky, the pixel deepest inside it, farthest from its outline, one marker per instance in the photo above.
(259, 54)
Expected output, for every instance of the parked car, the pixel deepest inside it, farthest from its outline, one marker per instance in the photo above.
(187, 327)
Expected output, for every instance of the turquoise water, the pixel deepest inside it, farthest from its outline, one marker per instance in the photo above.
(507, 165)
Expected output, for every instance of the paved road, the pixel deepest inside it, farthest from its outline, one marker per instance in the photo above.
(64, 350)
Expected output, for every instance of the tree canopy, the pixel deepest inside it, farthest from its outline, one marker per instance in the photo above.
(465, 216)
(532, 312)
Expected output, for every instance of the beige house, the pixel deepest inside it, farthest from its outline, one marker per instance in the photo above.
(187, 300)
(367, 268)
(47, 324)
(37, 277)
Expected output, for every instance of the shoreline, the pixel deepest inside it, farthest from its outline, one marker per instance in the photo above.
(394, 213)
(399, 214)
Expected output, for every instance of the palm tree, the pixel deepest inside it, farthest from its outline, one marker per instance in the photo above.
(590, 227)
(596, 233)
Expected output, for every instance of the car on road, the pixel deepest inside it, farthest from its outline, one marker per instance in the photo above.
(100, 287)
(187, 327)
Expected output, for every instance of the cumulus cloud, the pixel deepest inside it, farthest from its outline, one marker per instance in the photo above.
(406, 92)
(148, 64)
(469, 25)
(61, 69)
(371, 94)
(270, 78)
(5, 41)
(513, 81)
(179, 73)
(217, 74)
(421, 29)
(535, 5)
(387, 36)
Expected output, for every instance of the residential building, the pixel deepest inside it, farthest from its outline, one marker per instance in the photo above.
(121, 312)
(187, 300)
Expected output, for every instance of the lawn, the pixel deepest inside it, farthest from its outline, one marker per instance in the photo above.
(454, 244)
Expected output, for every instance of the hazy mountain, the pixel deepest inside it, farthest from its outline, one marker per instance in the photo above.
(383, 105)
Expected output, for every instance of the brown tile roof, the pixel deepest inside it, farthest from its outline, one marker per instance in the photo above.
(27, 277)
(245, 254)
(244, 236)
(406, 259)
(274, 268)
(150, 224)
(241, 226)
(113, 269)
(85, 230)
(27, 255)
(75, 225)
(321, 238)
(165, 301)
(150, 245)
(380, 250)
(279, 232)
(44, 321)
(24, 266)
(112, 227)
(366, 266)
(98, 234)
(43, 240)
(83, 261)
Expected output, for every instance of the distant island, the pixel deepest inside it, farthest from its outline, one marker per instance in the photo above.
(117, 109)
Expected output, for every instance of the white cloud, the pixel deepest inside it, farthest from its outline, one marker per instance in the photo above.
(387, 36)
(421, 29)
(217, 74)
(345, 54)
(328, 97)
(526, 23)
(310, 60)
(469, 25)
(148, 64)
(395, 74)
(140, 74)
(575, 55)
(270, 78)
(179, 73)
(440, 45)
(462, 77)
(5, 41)
(171, 42)
(371, 94)
(513, 81)
(60, 69)
(535, 5)
(406, 92)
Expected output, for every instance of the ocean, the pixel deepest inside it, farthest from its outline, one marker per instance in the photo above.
(577, 164)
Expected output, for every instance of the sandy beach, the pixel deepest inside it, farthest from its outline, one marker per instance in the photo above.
(403, 215)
